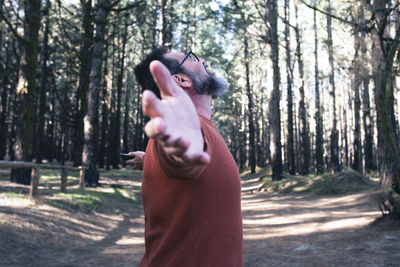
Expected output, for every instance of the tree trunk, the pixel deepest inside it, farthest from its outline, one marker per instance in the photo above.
(335, 164)
(117, 129)
(252, 151)
(319, 137)
(274, 109)
(27, 90)
(358, 71)
(125, 138)
(303, 132)
(289, 81)
(92, 118)
(104, 142)
(382, 63)
(40, 142)
(85, 56)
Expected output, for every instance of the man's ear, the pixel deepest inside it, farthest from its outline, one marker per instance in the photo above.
(182, 80)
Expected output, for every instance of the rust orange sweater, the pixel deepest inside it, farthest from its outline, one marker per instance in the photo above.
(192, 215)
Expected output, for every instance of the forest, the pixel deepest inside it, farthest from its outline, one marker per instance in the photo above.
(314, 85)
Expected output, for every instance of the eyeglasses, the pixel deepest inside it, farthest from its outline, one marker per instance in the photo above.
(190, 55)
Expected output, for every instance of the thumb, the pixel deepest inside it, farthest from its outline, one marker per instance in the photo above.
(163, 79)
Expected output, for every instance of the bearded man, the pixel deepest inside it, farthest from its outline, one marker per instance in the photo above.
(191, 187)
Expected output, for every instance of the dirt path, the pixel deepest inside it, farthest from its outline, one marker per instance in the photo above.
(310, 230)
(279, 230)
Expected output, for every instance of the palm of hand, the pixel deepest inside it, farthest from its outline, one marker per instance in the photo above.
(174, 120)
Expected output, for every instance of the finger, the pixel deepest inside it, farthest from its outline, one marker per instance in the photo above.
(155, 128)
(177, 146)
(198, 159)
(163, 79)
(134, 153)
(152, 106)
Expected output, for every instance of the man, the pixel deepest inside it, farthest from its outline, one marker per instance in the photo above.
(191, 186)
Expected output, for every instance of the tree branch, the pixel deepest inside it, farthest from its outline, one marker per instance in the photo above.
(127, 7)
(332, 16)
(11, 27)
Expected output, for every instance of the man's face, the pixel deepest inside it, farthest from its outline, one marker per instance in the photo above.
(194, 66)
(202, 80)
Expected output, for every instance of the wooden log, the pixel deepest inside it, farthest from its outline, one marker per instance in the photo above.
(33, 191)
(64, 179)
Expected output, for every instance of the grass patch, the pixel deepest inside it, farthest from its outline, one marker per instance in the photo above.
(341, 183)
(347, 181)
(104, 200)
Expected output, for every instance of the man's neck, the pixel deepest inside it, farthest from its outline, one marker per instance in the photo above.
(202, 104)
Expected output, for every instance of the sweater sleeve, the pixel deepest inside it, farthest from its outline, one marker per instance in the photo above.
(178, 170)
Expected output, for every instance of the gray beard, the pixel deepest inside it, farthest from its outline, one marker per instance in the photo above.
(211, 84)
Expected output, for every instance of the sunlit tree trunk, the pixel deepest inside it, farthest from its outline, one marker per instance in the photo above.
(26, 88)
(319, 141)
(43, 88)
(335, 164)
(252, 151)
(303, 130)
(116, 140)
(289, 81)
(271, 16)
(85, 56)
(125, 138)
(356, 84)
(382, 65)
(92, 118)
(104, 153)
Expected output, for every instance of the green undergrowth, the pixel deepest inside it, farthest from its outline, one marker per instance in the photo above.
(103, 200)
(114, 196)
(347, 181)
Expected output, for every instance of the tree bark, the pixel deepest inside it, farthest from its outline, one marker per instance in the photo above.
(335, 164)
(92, 118)
(24, 148)
(358, 70)
(289, 81)
(319, 139)
(104, 141)
(125, 138)
(382, 62)
(252, 151)
(303, 132)
(40, 142)
(117, 130)
(274, 105)
(85, 56)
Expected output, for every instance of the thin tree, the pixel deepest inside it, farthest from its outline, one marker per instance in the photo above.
(85, 56)
(356, 84)
(271, 17)
(92, 119)
(319, 141)
(43, 88)
(335, 164)
(289, 81)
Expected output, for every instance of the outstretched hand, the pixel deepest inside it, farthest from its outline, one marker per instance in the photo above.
(173, 119)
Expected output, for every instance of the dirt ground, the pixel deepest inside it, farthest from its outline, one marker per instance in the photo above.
(279, 230)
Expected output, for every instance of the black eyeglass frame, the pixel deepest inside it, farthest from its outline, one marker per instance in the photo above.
(183, 61)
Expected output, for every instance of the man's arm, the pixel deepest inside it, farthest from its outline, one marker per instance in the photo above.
(173, 120)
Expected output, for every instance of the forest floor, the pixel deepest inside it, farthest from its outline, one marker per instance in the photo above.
(296, 222)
